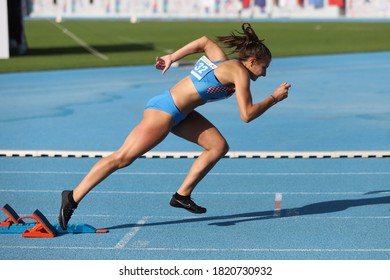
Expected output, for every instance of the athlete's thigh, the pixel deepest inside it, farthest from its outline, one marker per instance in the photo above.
(197, 129)
(153, 128)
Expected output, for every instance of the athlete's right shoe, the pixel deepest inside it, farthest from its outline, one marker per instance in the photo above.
(187, 204)
(67, 207)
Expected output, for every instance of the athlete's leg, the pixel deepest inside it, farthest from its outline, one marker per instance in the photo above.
(199, 130)
(153, 128)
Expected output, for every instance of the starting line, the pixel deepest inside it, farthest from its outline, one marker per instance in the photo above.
(172, 154)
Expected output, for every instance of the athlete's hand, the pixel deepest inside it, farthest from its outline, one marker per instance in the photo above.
(163, 63)
(281, 92)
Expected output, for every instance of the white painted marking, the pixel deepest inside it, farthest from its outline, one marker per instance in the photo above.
(210, 174)
(81, 42)
(34, 190)
(197, 193)
(173, 154)
(122, 243)
(321, 250)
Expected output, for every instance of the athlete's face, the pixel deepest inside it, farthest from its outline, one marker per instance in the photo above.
(258, 68)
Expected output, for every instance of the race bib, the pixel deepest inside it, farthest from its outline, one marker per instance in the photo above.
(202, 67)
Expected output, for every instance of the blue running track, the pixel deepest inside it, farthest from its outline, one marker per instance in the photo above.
(332, 181)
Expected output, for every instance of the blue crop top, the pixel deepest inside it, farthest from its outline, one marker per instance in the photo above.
(205, 82)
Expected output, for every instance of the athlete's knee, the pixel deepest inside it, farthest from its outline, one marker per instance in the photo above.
(121, 160)
(220, 148)
(225, 149)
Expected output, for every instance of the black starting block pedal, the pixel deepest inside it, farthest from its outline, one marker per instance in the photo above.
(13, 217)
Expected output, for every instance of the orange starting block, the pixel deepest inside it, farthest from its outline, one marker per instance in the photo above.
(41, 228)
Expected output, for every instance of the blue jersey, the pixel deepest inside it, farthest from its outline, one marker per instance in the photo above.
(205, 82)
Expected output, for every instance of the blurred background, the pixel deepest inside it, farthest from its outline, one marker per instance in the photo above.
(62, 34)
(218, 9)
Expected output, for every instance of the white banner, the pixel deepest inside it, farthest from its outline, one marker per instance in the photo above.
(4, 40)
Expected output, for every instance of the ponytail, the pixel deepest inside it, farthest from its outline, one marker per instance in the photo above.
(246, 44)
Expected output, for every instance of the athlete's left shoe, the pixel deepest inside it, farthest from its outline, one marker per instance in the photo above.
(188, 204)
(68, 205)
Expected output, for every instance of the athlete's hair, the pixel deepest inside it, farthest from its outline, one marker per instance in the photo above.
(246, 44)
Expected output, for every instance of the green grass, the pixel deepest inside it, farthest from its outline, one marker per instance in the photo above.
(138, 44)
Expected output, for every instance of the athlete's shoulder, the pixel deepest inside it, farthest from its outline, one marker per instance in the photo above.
(231, 71)
(232, 63)
(235, 67)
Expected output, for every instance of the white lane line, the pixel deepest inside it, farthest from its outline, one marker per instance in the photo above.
(221, 217)
(81, 42)
(197, 193)
(321, 250)
(210, 174)
(122, 243)
(176, 154)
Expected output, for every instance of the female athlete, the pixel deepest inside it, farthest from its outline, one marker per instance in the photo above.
(214, 77)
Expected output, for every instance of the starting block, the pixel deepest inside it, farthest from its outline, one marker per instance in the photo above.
(41, 228)
(14, 223)
(13, 217)
(79, 228)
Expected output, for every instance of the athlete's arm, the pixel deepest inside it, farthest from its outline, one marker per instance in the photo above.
(248, 110)
(203, 44)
